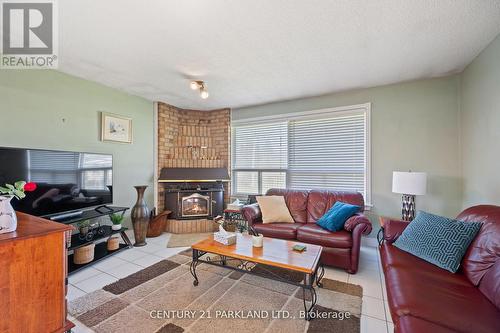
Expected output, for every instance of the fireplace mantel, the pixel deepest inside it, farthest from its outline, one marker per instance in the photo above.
(193, 175)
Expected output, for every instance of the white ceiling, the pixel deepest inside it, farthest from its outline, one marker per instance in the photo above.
(259, 51)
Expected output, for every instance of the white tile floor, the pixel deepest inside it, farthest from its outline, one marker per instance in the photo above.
(375, 316)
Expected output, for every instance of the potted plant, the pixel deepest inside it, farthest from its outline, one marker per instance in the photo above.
(83, 227)
(117, 220)
(8, 218)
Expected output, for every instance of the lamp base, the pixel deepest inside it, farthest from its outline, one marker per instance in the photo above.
(408, 209)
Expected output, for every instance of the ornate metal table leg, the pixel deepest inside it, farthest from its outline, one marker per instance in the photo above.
(309, 286)
(321, 271)
(192, 267)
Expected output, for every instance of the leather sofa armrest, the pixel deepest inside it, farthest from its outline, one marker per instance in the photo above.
(252, 214)
(393, 228)
(365, 226)
(358, 225)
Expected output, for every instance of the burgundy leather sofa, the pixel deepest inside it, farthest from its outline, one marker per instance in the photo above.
(341, 248)
(425, 298)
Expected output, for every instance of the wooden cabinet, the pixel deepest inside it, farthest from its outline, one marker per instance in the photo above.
(33, 275)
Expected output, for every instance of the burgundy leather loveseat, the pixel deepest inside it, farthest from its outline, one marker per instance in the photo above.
(425, 298)
(340, 248)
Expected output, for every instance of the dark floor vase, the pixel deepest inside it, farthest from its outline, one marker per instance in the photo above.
(140, 217)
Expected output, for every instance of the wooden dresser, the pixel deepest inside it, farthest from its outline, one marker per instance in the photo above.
(33, 275)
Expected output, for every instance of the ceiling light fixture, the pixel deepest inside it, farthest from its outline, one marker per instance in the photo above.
(200, 85)
(195, 85)
(203, 93)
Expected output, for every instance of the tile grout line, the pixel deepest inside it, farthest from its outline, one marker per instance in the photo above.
(73, 286)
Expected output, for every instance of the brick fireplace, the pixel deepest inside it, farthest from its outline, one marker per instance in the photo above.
(191, 139)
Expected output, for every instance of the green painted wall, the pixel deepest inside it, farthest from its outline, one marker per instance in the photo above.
(480, 115)
(415, 125)
(33, 104)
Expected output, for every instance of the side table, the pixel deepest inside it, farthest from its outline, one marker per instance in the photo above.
(233, 217)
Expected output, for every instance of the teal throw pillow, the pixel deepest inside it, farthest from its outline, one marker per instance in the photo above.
(335, 217)
(438, 240)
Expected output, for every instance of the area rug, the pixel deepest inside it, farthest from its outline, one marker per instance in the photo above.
(162, 299)
(182, 240)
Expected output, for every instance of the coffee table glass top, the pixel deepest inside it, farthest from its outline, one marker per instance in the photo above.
(275, 252)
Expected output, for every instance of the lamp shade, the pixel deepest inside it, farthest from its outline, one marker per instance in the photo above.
(413, 183)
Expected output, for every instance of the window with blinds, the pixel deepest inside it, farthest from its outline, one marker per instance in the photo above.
(327, 149)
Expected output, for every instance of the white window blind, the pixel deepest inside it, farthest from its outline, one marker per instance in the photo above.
(260, 157)
(328, 153)
(261, 146)
(326, 149)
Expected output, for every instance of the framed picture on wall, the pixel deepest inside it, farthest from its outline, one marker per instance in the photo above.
(116, 128)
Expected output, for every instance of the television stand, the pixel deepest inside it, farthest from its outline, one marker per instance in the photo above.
(66, 215)
(99, 235)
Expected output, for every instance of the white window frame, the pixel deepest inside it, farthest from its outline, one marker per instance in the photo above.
(313, 114)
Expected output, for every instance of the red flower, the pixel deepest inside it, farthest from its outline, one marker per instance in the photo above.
(29, 187)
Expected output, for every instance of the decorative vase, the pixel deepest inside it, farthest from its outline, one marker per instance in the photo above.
(116, 227)
(258, 241)
(8, 218)
(140, 217)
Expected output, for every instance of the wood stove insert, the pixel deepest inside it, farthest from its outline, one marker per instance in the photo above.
(194, 193)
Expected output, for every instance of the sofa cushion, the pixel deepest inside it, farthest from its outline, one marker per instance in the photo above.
(484, 251)
(392, 257)
(296, 201)
(314, 234)
(335, 218)
(418, 289)
(438, 240)
(274, 209)
(278, 230)
(319, 201)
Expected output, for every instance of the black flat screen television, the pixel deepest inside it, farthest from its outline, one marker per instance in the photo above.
(66, 181)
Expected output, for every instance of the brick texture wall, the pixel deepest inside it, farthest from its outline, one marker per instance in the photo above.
(193, 139)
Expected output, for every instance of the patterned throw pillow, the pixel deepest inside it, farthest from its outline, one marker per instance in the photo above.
(438, 240)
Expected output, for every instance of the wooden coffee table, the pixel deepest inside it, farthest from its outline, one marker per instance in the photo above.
(274, 253)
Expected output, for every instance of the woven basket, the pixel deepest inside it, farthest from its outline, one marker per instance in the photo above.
(84, 254)
(113, 243)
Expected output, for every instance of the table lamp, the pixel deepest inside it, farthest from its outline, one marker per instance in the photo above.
(409, 184)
